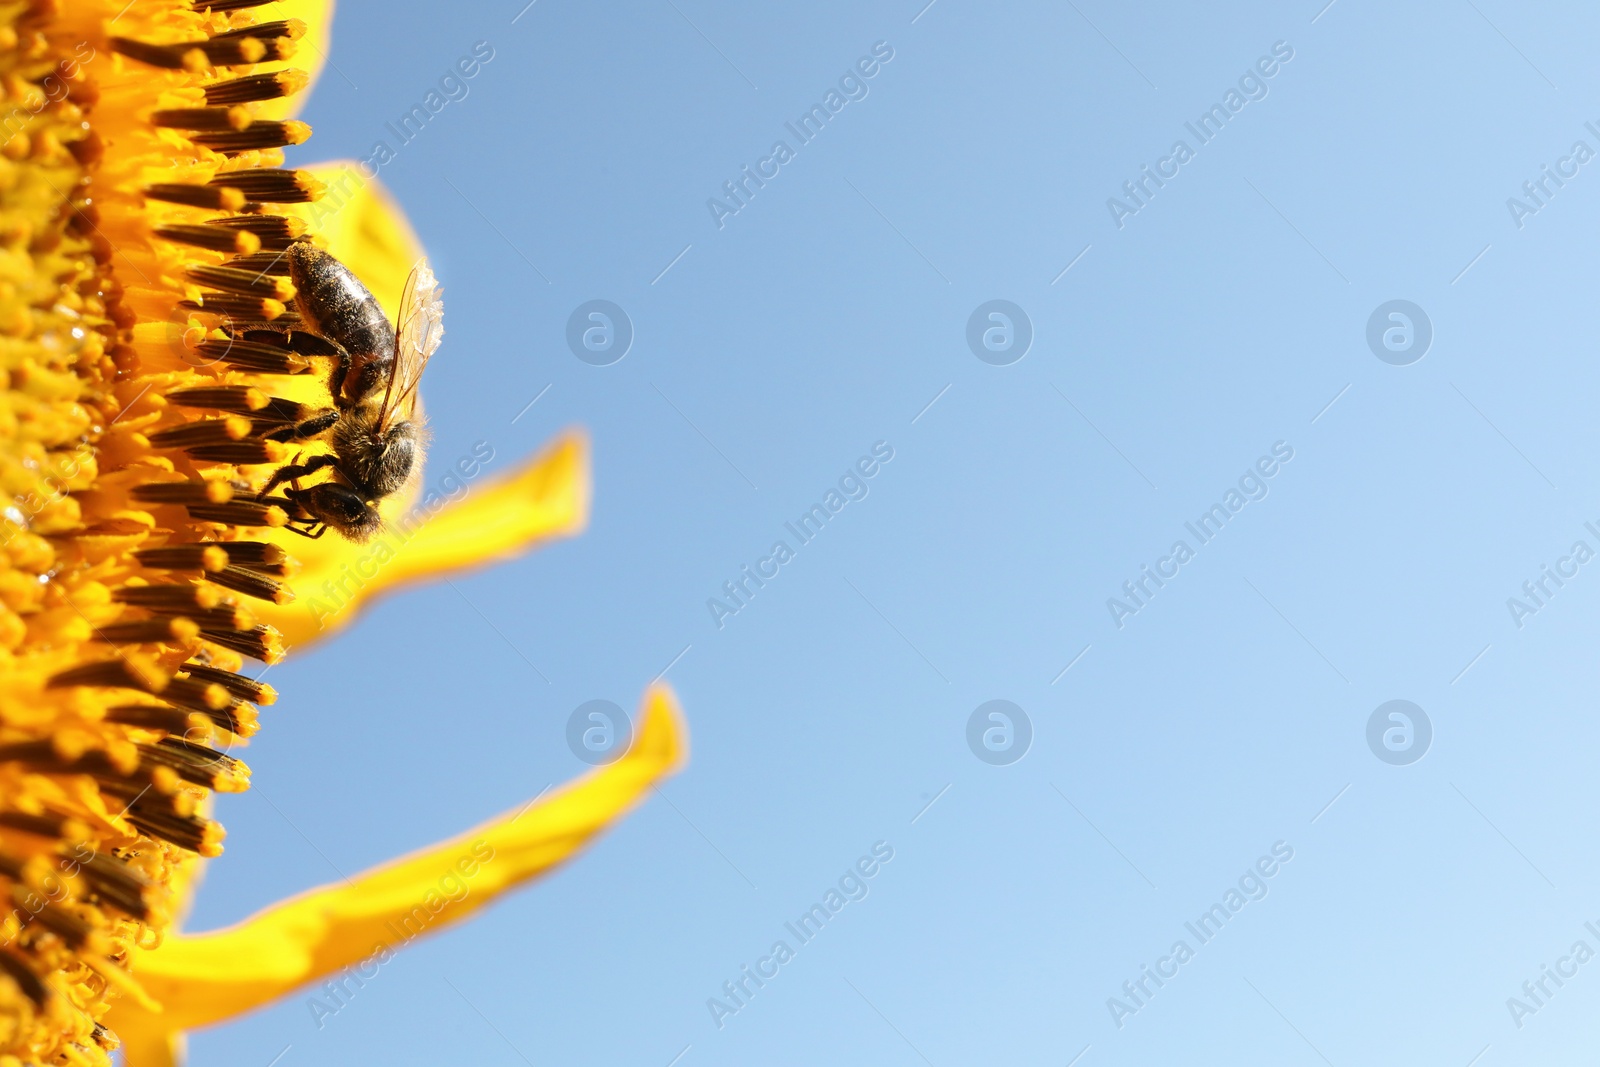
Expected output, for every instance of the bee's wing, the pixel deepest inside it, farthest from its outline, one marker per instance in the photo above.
(418, 331)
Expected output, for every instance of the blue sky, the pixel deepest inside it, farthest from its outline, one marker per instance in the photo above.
(1181, 345)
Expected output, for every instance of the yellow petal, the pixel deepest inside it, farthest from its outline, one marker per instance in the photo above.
(202, 979)
(364, 227)
(311, 52)
(546, 498)
(148, 1043)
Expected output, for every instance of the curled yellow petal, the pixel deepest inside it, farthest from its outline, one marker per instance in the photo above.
(204, 978)
(545, 499)
(548, 497)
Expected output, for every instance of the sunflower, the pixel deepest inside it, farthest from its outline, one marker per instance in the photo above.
(149, 354)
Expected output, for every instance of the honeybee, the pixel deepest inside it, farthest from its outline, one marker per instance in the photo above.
(373, 428)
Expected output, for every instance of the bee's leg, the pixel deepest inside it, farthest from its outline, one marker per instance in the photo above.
(320, 528)
(281, 475)
(298, 516)
(342, 360)
(338, 373)
(306, 428)
(291, 471)
(370, 375)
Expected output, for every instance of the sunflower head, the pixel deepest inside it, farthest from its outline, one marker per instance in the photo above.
(158, 389)
(146, 328)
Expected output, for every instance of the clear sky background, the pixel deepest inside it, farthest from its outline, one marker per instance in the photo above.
(1228, 715)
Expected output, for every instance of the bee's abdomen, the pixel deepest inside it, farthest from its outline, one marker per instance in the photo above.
(335, 305)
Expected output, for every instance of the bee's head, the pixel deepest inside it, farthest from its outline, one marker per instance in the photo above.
(380, 463)
(342, 508)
